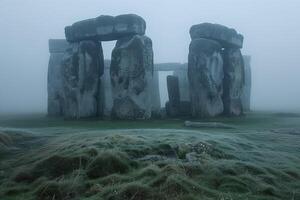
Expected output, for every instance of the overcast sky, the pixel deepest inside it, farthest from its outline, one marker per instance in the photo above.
(271, 29)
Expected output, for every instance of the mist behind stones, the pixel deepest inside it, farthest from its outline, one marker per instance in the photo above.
(270, 27)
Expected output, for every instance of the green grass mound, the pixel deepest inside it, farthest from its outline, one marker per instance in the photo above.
(5, 140)
(53, 167)
(108, 162)
(59, 190)
(130, 191)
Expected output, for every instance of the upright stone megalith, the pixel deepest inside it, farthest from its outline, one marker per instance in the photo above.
(205, 73)
(246, 97)
(131, 78)
(82, 68)
(232, 68)
(234, 80)
(173, 105)
(57, 48)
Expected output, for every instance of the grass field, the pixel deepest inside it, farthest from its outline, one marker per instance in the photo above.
(53, 159)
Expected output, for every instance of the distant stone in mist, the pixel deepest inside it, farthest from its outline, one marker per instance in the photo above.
(234, 80)
(57, 48)
(172, 106)
(247, 87)
(131, 78)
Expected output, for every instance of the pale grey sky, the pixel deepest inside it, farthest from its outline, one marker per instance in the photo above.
(270, 27)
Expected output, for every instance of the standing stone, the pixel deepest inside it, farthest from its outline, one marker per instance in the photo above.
(108, 100)
(82, 70)
(172, 106)
(57, 47)
(156, 105)
(131, 78)
(247, 88)
(183, 82)
(205, 73)
(233, 82)
(173, 90)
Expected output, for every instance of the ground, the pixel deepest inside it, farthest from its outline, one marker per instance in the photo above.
(53, 159)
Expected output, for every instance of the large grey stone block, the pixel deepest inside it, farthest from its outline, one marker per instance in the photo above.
(106, 28)
(246, 97)
(58, 45)
(54, 85)
(234, 80)
(227, 37)
(82, 68)
(205, 73)
(131, 78)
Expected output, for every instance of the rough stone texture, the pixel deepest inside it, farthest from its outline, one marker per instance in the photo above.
(205, 73)
(247, 87)
(182, 110)
(131, 78)
(156, 105)
(183, 83)
(233, 82)
(227, 37)
(172, 106)
(55, 93)
(57, 47)
(107, 88)
(173, 90)
(82, 71)
(106, 28)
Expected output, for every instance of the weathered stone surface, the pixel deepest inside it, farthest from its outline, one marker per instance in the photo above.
(207, 125)
(205, 73)
(227, 37)
(55, 92)
(107, 88)
(247, 87)
(131, 78)
(183, 82)
(82, 68)
(57, 47)
(175, 107)
(156, 105)
(173, 90)
(233, 82)
(172, 106)
(185, 108)
(106, 28)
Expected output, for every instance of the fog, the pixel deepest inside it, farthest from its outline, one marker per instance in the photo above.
(270, 27)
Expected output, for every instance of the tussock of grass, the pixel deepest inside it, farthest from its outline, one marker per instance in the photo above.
(131, 191)
(5, 140)
(57, 165)
(52, 167)
(114, 179)
(59, 190)
(149, 171)
(108, 162)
